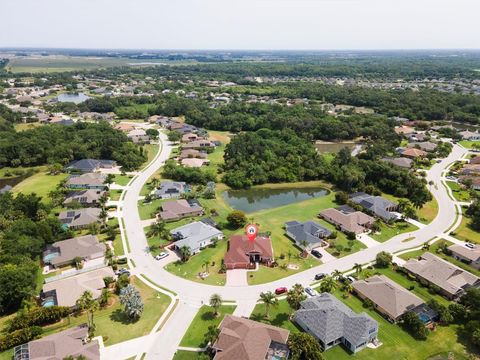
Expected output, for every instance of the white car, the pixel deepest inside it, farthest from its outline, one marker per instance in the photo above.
(311, 291)
(470, 245)
(161, 256)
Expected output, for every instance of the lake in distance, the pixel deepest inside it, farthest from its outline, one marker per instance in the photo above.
(256, 199)
(76, 98)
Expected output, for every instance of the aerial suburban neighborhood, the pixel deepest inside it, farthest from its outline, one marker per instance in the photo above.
(278, 204)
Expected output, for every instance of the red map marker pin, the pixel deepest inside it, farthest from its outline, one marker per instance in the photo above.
(251, 231)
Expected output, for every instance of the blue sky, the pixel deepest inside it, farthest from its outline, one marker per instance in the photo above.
(241, 24)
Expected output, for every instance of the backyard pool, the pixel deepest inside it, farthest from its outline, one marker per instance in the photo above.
(256, 199)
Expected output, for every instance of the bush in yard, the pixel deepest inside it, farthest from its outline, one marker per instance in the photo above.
(383, 259)
(131, 299)
(19, 337)
(414, 326)
(38, 316)
(333, 235)
(237, 219)
(304, 346)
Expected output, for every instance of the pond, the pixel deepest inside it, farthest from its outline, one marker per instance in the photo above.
(75, 98)
(256, 199)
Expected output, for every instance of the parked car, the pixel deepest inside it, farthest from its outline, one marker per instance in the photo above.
(317, 254)
(350, 278)
(281, 290)
(122, 271)
(161, 256)
(470, 245)
(320, 276)
(311, 291)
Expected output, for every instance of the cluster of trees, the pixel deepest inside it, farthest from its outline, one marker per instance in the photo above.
(173, 171)
(473, 211)
(25, 229)
(61, 144)
(131, 299)
(264, 156)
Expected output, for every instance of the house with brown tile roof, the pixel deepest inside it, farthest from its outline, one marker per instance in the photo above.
(452, 280)
(186, 138)
(470, 169)
(424, 145)
(194, 162)
(198, 144)
(179, 209)
(404, 130)
(470, 256)
(475, 160)
(192, 153)
(70, 342)
(243, 253)
(347, 219)
(413, 153)
(388, 298)
(126, 128)
(244, 339)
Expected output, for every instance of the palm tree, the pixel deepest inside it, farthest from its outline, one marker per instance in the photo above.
(289, 255)
(212, 334)
(215, 303)
(348, 288)
(103, 200)
(337, 274)
(105, 297)
(328, 284)
(103, 216)
(304, 244)
(185, 253)
(87, 303)
(357, 268)
(268, 299)
(158, 229)
(206, 263)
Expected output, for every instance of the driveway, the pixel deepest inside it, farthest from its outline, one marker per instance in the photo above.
(237, 277)
(366, 240)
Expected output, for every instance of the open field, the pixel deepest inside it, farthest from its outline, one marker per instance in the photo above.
(389, 231)
(194, 337)
(40, 184)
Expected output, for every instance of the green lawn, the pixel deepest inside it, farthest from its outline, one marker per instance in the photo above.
(152, 150)
(115, 194)
(190, 269)
(459, 193)
(194, 337)
(186, 355)
(6, 355)
(434, 249)
(278, 316)
(122, 180)
(468, 144)
(465, 232)
(40, 183)
(112, 322)
(118, 246)
(389, 231)
(148, 211)
(428, 212)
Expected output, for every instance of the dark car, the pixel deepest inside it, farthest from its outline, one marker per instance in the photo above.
(317, 254)
(281, 290)
(320, 276)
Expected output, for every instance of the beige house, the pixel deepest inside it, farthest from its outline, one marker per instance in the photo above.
(347, 220)
(388, 298)
(179, 209)
(194, 162)
(467, 255)
(452, 280)
(63, 252)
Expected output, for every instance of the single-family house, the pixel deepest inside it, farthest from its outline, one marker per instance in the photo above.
(192, 153)
(470, 256)
(309, 231)
(469, 135)
(424, 145)
(331, 322)
(243, 253)
(244, 339)
(404, 130)
(65, 290)
(194, 162)
(80, 218)
(377, 205)
(63, 252)
(70, 342)
(413, 153)
(388, 298)
(90, 197)
(472, 181)
(87, 181)
(188, 137)
(195, 236)
(402, 162)
(470, 169)
(125, 127)
(170, 190)
(90, 165)
(417, 137)
(475, 160)
(452, 280)
(347, 219)
(179, 209)
(198, 144)
(138, 136)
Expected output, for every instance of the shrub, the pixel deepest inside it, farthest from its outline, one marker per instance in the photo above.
(19, 337)
(38, 316)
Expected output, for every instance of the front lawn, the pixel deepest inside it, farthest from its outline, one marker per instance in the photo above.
(122, 180)
(40, 183)
(469, 144)
(389, 231)
(186, 355)
(465, 232)
(195, 265)
(195, 335)
(428, 212)
(458, 191)
(113, 324)
(278, 316)
(148, 210)
(115, 194)
(6, 355)
(266, 274)
(151, 151)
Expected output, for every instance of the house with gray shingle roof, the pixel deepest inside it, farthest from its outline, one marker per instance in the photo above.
(84, 197)
(81, 218)
(331, 322)
(195, 236)
(63, 252)
(402, 162)
(87, 181)
(470, 256)
(308, 231)
(170, 190)
(90, 165)
(377, 205)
